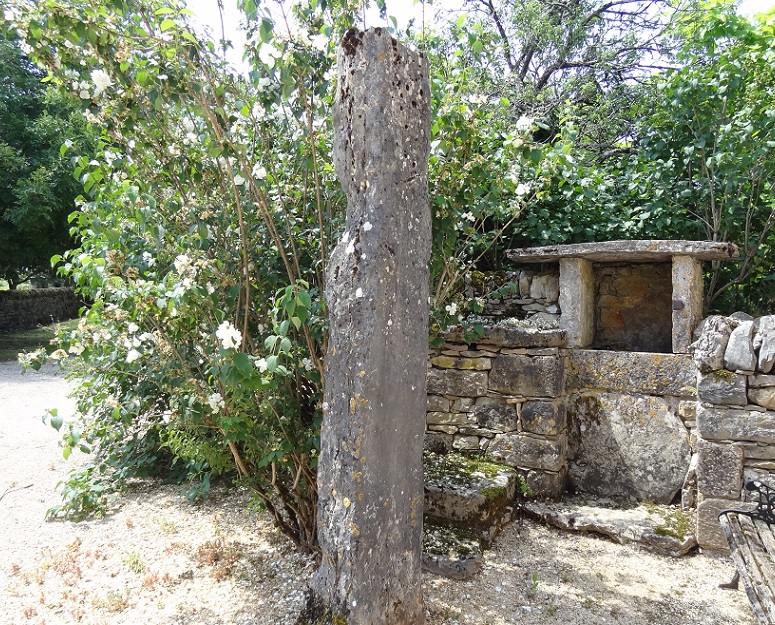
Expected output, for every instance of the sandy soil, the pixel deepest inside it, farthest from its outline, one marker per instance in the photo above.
(157, 559)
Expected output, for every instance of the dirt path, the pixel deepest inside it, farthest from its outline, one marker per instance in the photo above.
(156, 559)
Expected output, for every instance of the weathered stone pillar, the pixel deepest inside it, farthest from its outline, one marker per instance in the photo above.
(577, 301)
(687, 301)
(370, 480)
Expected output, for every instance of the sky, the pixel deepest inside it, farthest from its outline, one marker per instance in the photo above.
(402, 10)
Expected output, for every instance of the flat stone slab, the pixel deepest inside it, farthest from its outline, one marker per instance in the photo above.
(626, 251)
(451, 552)
(662, 529)
(512, 336)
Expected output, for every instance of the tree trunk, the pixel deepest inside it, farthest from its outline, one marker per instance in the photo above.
(370, 481)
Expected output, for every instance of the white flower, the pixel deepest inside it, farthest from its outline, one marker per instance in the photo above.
(307, 364)
(229, 336)
(182, 263)
(524, 123)
(319, 42)
(101, 81)
(261, 365)
(267, 54)
(132, 355)
(76, 349)
(469, 216)
(451, 308)
(132, 327)
(239, 180)
(148, 259)
(522, 189)
(216, 403)
(259, 173)
(166, 416)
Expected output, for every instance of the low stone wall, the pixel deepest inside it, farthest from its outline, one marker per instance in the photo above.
(26, 309)
(502, 396)
(735, 416)
(535, 295)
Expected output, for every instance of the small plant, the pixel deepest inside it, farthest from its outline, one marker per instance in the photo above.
(533, 583)
(551, 609)
(114, 601)
(134, 562)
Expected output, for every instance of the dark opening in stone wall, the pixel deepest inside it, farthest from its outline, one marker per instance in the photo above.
(633, 307)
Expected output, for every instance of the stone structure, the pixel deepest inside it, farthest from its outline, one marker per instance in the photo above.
(735, 416)
(685, 413)
(24, 309)
(503, 396)
(370, 474)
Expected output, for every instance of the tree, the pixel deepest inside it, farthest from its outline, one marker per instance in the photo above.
(706, 161)
(37, 188)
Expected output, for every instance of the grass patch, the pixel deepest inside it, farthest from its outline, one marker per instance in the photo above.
(15, 341)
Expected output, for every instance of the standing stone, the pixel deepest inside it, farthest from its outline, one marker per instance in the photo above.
(577, 301)
(766, 332)
(370, 478)
(740, 355)
(687, 301)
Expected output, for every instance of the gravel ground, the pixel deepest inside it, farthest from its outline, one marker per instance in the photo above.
(156, 559)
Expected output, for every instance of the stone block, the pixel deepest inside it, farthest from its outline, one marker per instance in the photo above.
(687, 301)
(577, 301)
(436, 403)
(687, 410)
(462, 404)
(457, 382)
(722, 388)
(438, 442)
(524, 450)
(732, 424)
(761, 381)
(758, 451)
(546, 484)
(496, 337)
(709, 532)
(629, 447)
(495, 414)
(545, 286)
(740, 354)
(631, 372)
(466, 443)
(448, 418)
(543, 417)
(530, 376)
(764, 397)
(766, 336)
(711, 344)
(719, 470)
(466, 364)
(445, 429)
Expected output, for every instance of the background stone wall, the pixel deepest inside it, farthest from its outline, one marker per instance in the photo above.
(534, 295)
(502, 396)
(633, 310)
(26, 309)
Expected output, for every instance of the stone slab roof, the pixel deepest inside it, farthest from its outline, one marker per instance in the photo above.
(626, 251)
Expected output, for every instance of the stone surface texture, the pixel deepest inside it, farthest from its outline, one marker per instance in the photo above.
(712, 343)
(687, 301)
(627, 447)
(370, 499)
(723, 388)
(740, 354)
(630, 372)
(577, 301)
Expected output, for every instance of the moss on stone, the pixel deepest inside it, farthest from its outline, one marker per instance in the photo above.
(674, 522)
(723, 375)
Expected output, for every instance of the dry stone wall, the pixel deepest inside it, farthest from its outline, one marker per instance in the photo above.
(502, 396)
(533, 295)
(735, 416)
(26, 309)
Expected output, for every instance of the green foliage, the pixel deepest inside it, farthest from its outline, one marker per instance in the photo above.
(707, 153)
(37, 189)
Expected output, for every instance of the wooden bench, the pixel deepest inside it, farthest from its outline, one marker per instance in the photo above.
(751, 537)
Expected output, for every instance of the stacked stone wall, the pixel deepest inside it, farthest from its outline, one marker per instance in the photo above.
(503, 397)
(24, 309)
(530, 294)
(735, 416)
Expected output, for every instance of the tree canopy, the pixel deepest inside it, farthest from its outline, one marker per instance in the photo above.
(37, 187)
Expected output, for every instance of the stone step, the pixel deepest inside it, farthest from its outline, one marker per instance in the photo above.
(467, 501)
